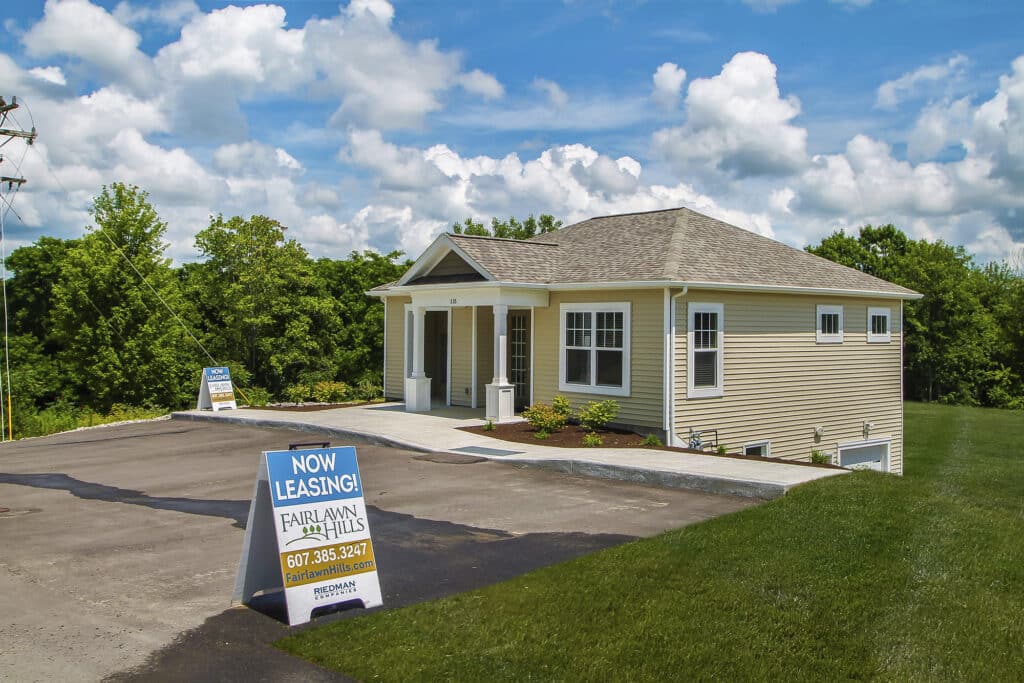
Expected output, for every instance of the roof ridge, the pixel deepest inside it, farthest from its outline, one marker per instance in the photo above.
(503, 239)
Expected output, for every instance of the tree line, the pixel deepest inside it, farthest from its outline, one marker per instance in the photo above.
(964, 341)
(105, 320)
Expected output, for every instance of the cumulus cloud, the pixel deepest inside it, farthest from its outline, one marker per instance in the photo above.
(254, 159)
(737, 123)
(556, 96)
(938, 125)
(892, 93)
(668, 81)
(171, 13)
(80, 29)
(483, 84)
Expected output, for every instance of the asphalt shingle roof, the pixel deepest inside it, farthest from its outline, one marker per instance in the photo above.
(678, 245)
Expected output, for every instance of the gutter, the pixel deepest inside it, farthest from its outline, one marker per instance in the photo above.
(669, 373)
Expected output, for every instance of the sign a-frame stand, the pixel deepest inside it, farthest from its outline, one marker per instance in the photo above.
(216, 391)
(308, 535)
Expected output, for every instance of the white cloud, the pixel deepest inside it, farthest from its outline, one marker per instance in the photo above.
(556, 96)
(50, 74)
(939, 125)
(892, 93)
(80, 29)
(668, 82)
(483, 84)
(170, 13)
(737, 123)
(254, 159)
(767, 5)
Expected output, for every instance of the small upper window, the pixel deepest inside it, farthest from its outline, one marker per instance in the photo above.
(878, 325)
(830, 325)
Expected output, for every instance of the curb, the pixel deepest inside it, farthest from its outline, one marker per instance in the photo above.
(375, 439)
(672, 480)
(637, 475)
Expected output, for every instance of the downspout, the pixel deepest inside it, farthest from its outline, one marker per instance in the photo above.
(670, 364)
(384, 376)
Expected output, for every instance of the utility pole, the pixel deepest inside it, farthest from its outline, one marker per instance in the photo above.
(8, 134)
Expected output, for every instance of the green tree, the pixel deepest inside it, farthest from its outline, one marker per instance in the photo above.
(509, 229)
(257, 297)
(117, 341)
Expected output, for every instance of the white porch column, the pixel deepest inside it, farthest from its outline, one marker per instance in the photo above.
(500, 394)
(417, 384)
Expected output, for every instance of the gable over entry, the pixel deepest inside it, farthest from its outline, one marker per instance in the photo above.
(446, 278)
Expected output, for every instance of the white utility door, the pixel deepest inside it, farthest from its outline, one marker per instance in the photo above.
(873, 456)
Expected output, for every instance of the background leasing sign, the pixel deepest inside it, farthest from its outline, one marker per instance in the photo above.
(323, 535)
(216, 391)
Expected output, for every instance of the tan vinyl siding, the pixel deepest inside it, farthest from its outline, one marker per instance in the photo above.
(452, 264)
(780, 383)
(462, 356)
(394, 384)
(644, 406)
(484, 352)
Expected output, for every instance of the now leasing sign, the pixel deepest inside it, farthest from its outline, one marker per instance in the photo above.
(216, 391)
(323, 548)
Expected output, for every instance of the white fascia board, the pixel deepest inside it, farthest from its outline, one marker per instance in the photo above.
(484, 294)
(674, 284)
(433, 254)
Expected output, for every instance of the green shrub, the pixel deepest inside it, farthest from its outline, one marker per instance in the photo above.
(598, 414)
(591, 440)
(369, 389)
(560, 404)
(544, 418)
(722, 449)
(257, 396)
(296, 393)
(820, 457)
(489, 426)
(330, 392)
(651, 440)
(542, 434)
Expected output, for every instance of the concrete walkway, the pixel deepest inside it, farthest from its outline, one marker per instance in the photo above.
(388, 424)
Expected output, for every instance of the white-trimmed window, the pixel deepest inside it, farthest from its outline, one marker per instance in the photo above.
(878, 325)
(762, 449)
(704, 352)
(594, 354)
(830, 324)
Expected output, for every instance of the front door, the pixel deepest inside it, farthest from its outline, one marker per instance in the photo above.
(519, 356)
(435, 354)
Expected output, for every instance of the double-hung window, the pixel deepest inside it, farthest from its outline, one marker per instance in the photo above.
(829, 325)
(594, 355)
(878, 325)
(705, 364)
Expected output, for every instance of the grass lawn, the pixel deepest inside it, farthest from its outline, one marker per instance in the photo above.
(860, 576)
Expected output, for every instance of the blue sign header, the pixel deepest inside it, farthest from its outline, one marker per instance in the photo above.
(217, 374)
(315, 475)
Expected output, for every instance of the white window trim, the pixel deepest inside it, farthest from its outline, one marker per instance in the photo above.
(705, 392)
(766, 444)
(611, 307)
(880, 338)
(849, 445)
(828, 338)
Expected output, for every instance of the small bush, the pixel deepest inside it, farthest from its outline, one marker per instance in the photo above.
(598, 414)
(651, 440)
(296, 393)
(820, 457)
(560, 404)
(722, 449)
(592, 440)
(489, 426)
(330, 392)
(544, 418)
(257, 396)
(542, 434)
(369, 389)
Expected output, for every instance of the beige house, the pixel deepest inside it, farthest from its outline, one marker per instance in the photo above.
(697, 328)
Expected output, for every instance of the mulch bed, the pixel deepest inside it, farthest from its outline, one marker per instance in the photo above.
(571, 436)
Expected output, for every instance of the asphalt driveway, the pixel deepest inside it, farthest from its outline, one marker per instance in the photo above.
(119, 550)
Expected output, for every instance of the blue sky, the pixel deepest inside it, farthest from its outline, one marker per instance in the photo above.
(376, 125)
